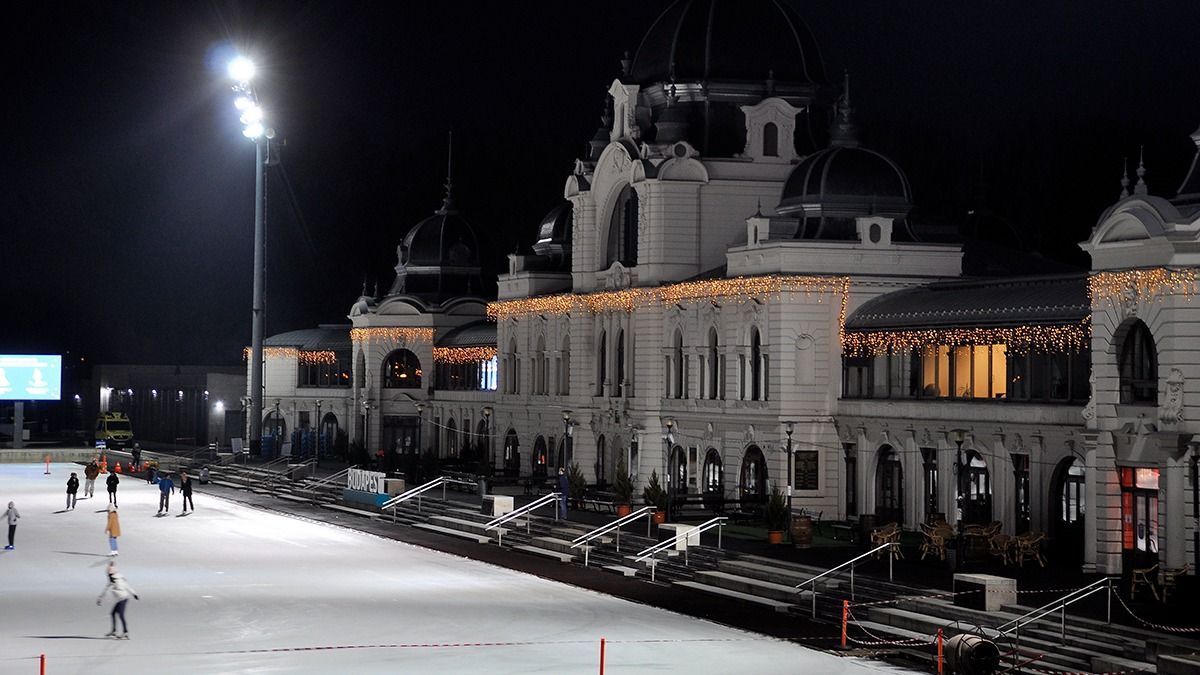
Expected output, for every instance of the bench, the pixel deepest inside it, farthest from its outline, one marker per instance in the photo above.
(599, 501)
(848, 529)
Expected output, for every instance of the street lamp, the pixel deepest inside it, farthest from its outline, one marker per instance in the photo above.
(789, 428)
(565, 460)
(241, 71)
(960, 469)
(672, 489)
(487, 434)
(317, 448)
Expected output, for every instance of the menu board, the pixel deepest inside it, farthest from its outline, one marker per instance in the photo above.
(807, 467)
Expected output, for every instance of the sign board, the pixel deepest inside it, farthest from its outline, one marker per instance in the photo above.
(365, 481)
(30, 377)
(236, 445)
(286, 449)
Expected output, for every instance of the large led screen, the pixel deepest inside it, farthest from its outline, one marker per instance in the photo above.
(30, 377)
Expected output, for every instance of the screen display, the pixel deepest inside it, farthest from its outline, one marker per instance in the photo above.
(30, 377)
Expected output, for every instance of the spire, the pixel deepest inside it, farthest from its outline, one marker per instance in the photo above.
(770, 82)
(448, 201)
(1125, 179)
(1139, 188)
(626, 64)
(844, 132)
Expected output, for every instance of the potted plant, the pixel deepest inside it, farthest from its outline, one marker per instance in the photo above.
(577, 484)
(775, 517)
(623, 488)
(654, 495)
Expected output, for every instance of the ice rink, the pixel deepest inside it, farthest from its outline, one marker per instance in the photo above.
(232, 589)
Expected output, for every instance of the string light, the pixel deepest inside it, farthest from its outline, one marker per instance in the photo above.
(304, 357)
(1146, 284)
(319, 357)
(394, 334)
(460, 355)
(1055, 339)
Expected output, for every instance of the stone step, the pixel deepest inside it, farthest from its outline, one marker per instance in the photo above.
(745, 597)
(467, 526)
(480, 539)
(765, 589)
(1115, 664)
(762, 572)
(621, 569)
(877, 631)
(351, 510)
(557, 555)
(560, 545)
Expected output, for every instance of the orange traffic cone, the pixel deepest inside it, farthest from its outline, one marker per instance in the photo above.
(103, 463)
(117, 468)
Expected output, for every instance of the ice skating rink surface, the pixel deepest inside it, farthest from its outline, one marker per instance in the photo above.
(233, 589)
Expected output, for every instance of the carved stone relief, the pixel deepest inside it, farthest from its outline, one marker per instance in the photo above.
(1171, 410)
(1089, 410)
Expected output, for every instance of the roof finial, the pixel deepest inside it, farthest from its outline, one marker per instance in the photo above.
(364, 288)
(846, 86)
(448, 201)
(844, 132)
(1139, 188)
(626, 63)
(1125, 179)
(770, 82)
(758, 211)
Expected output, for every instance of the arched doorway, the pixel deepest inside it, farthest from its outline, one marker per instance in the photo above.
(713, 479)
(752, 480)
(483, 444)
(677, 474)
(327, 434)
(977, 509)
(512, 452)
(539, 457)
(451, 438)
(275, 426)
(889, 487)
(599, 467)
(1067, 508)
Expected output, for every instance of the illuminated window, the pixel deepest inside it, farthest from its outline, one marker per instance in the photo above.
(402, 370)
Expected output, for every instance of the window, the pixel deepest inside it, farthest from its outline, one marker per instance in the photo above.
(929, 465)
(602, 364)
(889, 487)
(713, 365)
(850, 458)
(1021, 483)
(324, 369)
(402, 370)
(564, 369)
(807, 469)
(1139, 366)
(756, 370)
(978, 500)
(477, 375)
(857, 377)
(770, 140)
(678, 365)
(539, 367)
(623, 230)
(1139, 509)
(619, 385)
(1071, 494)
(451, 438)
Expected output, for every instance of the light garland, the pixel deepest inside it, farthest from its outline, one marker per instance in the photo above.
(1147, 284)
(737, 289)
(1057, 339)
(306, 358)
(461, 355)
(394, 334)
(318, 357)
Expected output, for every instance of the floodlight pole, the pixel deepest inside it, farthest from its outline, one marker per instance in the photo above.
(256, 344)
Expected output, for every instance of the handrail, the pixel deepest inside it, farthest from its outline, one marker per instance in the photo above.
(418, 491)
(1054, 605)
(267, 468)
(718, 522)
(538, 503)
(647, 511)
(317, 483)
(851, 563)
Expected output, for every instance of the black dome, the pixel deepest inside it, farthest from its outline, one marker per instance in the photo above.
(728, 40)
(443, 239)
(554, 232)
(846, 182)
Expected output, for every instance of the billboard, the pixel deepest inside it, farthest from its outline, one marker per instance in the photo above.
(30, 377)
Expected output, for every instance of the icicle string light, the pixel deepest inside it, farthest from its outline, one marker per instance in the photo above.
(304, 357)
(460, 355)
(737, 290)
(409, 335)
(314, 358)
(1146, 284)
(1055, 339)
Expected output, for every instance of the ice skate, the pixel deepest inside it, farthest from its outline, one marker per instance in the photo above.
(111, 634)
(123, 636)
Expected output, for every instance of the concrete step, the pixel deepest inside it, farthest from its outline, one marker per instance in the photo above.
(480, 539)
(1115, 664)
(467, 526)
(745, 597)
(769, 573)
(557, 555)
(560, 545)
(351, 510)
(765, 589)
(873, 631)
(621, 569)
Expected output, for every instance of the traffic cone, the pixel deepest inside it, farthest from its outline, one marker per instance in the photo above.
(103, 463)
(117, 468)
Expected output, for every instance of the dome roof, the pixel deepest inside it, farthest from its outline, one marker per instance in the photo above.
(728, 40)
(554, 232)
(443, 239)
(846, 182)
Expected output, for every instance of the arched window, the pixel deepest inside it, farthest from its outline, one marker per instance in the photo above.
(451, 438)
(770, 140)
(619, 385)
(512, 451)
(402, 370)
(601, 449)
(756, 373)
(713, 367)
(889, 487)
(602, 364)
(978, 507)
(512, 376)
(623, 230)
(753, 479)
(564, 368)
(539, 457)
(275, 426)
(714, 484)
(540, 385)
(677, 473)
(677, 364)
(360, 371)
(1139, 366)
(328, 433)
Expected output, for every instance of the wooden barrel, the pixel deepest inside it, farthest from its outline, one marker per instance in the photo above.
(802, 531)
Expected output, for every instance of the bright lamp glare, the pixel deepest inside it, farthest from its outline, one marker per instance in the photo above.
(242, 102)
(252, 115)
(253, 131)
(241, 69)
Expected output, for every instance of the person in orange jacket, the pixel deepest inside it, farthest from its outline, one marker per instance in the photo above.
(113, 529)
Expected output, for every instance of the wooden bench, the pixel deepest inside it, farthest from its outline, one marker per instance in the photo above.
(849, 529)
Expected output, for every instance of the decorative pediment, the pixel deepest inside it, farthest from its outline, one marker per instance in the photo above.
(771, 131)
(616, 277)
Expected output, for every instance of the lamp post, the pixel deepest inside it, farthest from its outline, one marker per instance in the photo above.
(668, 441)
(366, 408)
(565, 460)
(241, 71)
(789, 428)
(960, 469)
(317, 447)
(487, 435)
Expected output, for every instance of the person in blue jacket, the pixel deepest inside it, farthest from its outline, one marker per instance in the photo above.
(564, 492)
(166, 488)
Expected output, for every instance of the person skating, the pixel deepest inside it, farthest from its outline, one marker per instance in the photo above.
(185, 489)
(166, 488)
(89, 473)
(112, 488)
(11, 516)
(137, 457)
(121, 591)
(151, 470)
(113, 529)
(72, 488)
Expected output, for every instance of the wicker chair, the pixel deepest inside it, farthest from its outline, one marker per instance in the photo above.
(1145, 577)
(888, 534)
(1028, 547)
(934, 538)
(1001, 546)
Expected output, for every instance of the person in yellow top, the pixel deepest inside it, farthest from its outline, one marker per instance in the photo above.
(113, 529)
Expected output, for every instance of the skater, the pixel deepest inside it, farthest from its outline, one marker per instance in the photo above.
(564, 491)
(112, 488)
(113, 529)
(89, 473)
(72, 488)
(121, 590)
(12, 516)
(137, 458)
(151, 470)
(185, 489)
(166, 488)
(203, 476)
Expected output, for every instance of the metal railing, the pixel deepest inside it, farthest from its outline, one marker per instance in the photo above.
(320, 483)
(582, 540)
(851, 564)
(1059, 605)
(248, 473)
(718, 522)
(418, 491)
(538, 503)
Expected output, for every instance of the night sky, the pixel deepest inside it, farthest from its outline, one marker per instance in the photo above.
(127, 192)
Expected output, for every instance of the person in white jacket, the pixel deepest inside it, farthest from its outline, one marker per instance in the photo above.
(121, 590)
(12, 516)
